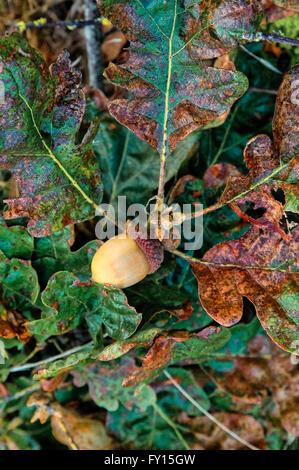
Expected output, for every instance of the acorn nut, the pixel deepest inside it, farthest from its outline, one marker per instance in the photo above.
(123, 261)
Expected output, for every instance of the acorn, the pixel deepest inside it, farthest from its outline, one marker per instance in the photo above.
(123, 261)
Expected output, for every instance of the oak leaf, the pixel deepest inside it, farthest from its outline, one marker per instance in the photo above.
(262, 267)
(210, 437)
(173, 87)
(39, 121)
(273, 167)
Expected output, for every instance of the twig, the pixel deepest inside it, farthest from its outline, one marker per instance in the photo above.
(32, 365)
(43, 23)
(21, 393)
(209, 415)
(274, 37)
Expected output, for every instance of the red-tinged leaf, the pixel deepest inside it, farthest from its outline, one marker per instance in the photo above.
(39, 121)
(173, 89)
(117, 349)
(180, 187)
(275, 13)
(262, 267)
(177, 346)
(266, 211)
(218, 175)
(54, 383)
(78, 432)
(285, 120)
(252, 196)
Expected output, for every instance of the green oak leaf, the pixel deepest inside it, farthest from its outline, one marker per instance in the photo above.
(85, 356)
(71, 300)
(58, 178)
(19, 282)
(119, 348)
(16, 242)
(53, 253)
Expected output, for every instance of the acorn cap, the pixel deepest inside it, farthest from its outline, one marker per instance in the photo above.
(152, 249)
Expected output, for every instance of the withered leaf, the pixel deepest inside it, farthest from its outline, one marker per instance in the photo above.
(13, 324)
(39, 121)
(210, 437)
(269, 372)
(173, 87)
(273, 166)
(79, 432)
(264, 262)
(262, 267)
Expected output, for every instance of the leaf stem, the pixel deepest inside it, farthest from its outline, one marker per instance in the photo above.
(191, 259)
(164, 151)
(55, 159)
(209, 415)
(218, 205)
(171, 424)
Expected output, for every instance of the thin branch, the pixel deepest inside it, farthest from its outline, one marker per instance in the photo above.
(32, 365)
(21, 393)
(93, 44)
(209, 415)
(74, 24)
(274, 37)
